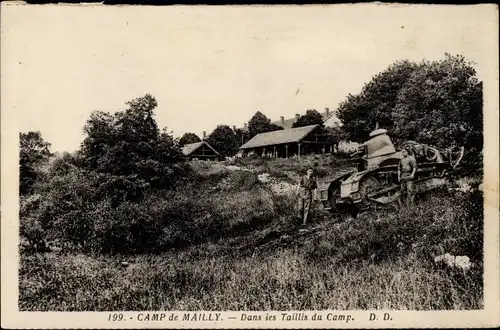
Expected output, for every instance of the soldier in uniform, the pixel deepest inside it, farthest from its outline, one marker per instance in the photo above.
(306, 187)
(406, 176)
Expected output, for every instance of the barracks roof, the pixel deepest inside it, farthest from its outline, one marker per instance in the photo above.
(188, 149)
(279, 137)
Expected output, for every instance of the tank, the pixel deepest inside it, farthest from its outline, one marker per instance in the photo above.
(375, 182)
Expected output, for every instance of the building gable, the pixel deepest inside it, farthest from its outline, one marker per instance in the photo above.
(199, 149)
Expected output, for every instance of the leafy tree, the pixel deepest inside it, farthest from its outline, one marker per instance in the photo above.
(442, 104)
(373, 107)
(311, 117)
(168, 150)
(34, 151)
(136, 124)
(189, 138)
(241, 135)
(436, 102)
(224, 140)
(63, 164)
(334, 135)
(259, 123)
(101, 134)
(274, 127)
(129, 145)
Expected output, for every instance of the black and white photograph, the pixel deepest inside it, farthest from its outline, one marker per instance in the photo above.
(287, 164)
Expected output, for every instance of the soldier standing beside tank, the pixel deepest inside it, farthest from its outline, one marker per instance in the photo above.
(406, 176)
(306, 187)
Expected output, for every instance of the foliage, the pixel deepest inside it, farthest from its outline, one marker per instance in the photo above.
(130, 145)
(224, 140)
(441, 104)
(189, 138)
(101, 213)
(259, 123)
(242, 136)
(438, 103)
(335, 134)
(34, 151)
(361, 113)
(311, 117)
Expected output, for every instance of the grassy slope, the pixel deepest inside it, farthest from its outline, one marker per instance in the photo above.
(382, 260)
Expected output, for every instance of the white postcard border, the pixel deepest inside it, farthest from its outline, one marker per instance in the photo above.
(489, 317)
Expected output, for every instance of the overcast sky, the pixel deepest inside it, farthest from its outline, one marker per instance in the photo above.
(211, 65)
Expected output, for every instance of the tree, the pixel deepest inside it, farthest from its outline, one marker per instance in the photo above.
(241, 135)
(129, 145)
(259, 123)
(438, 103)
(168, 149)
(64, 163)
(373, 106)
(442, 104)
(136, 124)
(311, 117)
(224, 140)
(101, 134)
(189, 138)
(34, 151)
(334, 135)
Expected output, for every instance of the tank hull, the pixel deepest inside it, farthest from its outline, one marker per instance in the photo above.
(376, 181)
(379, 186)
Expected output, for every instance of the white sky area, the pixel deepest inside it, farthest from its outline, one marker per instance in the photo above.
(211, 65)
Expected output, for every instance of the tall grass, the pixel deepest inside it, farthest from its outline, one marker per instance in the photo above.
(283, 280)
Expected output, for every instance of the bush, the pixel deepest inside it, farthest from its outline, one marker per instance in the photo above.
(472, 164)
(103, 213)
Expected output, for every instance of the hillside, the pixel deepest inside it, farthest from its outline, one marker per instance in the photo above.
(227, 240)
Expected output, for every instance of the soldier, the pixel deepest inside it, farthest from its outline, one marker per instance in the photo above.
(306, 187)
(406, 176)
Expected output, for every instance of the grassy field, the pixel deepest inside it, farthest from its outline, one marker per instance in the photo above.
(281, 280)
(247, 253)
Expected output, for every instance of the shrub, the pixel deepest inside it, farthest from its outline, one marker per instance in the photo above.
(472, 164)
(103, 213)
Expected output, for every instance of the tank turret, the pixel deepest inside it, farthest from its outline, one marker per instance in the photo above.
(380, 144)
(379, 149)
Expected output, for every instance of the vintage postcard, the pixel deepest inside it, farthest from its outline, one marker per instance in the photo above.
(319, 166)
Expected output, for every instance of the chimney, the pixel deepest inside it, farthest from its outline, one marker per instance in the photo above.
(282, 121)
(234, 127)
(204, 135)
(297, 116)
(327, 110)
(245, 126)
